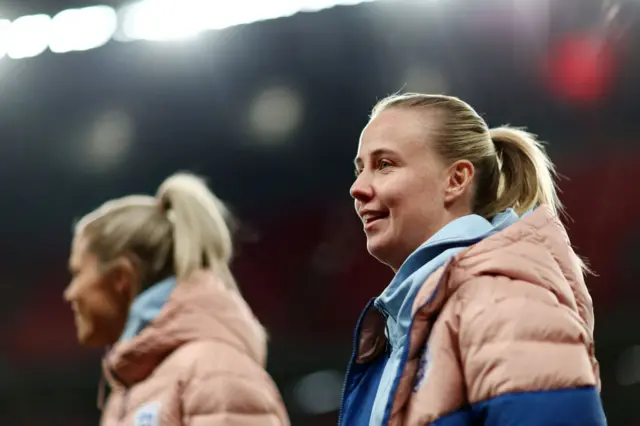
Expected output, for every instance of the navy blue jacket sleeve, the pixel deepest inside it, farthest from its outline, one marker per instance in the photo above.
(567, 407)
(527, 360)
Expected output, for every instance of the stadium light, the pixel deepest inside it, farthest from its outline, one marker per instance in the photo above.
(319, 392)
(177, 19)
(108, 143)
(275, 114)
(91, 27)
(162, 20)
(28, 36)
(5, 29)
(82, 29)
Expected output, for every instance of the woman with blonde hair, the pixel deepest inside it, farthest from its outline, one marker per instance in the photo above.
(151, 277)
(487, 320)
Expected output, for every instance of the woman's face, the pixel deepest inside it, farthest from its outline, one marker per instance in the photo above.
(402, 186)
(100, 300)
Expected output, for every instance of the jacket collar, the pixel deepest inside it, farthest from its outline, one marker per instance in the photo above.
(396, 300)
(146, 307)
(200, 308)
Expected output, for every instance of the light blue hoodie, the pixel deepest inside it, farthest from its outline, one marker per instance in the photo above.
(396, 300)
(146, 307)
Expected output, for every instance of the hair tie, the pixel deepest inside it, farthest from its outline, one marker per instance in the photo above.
(167, 209)
(164, 204)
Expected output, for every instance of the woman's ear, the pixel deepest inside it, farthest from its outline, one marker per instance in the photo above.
(123, 275)
(460, 177)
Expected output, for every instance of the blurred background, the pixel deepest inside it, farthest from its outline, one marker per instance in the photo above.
(267, 100)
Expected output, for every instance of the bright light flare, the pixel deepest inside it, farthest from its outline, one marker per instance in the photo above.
(159, 20)
(82, 29)
(162, 20)
(5, 36)
(28, 36)
(179, 19)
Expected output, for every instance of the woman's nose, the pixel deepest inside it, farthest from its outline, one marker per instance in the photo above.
(361, 189)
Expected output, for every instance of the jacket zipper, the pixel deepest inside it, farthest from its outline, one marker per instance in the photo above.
(407, 344)
(380, 306)
(353, 357)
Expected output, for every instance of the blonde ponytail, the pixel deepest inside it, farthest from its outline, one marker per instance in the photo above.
(201, 235)
(184, 228)
(526, 174)
(512, 168)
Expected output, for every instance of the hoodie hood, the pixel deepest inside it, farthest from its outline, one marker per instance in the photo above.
(397, 299)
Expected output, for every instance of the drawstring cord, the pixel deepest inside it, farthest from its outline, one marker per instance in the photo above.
(102, 385)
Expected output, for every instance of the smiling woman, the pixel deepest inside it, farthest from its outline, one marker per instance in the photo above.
(488, 320)
(398, 187)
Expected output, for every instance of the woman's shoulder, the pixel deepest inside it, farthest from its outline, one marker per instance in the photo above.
(213, 356)
(531, 258)
(214, 371)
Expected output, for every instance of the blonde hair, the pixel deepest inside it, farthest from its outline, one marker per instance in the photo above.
(182, 229)
(512, 168)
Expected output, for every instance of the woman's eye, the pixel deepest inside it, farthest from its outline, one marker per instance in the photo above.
(384, 164)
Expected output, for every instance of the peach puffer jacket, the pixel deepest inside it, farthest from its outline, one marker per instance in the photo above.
(499, 333)
(199, 362)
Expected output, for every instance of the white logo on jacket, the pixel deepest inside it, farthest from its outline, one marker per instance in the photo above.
(147, 415)
(423, 369)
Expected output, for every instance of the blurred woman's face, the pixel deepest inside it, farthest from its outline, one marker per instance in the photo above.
(401, 184)
(99, 302)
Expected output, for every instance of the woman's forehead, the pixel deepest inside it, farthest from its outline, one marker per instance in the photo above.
(398, 129)
(78, 247)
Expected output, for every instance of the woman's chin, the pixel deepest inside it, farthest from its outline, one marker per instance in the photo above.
(379, 249)
(386, 252)
(88, 338)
